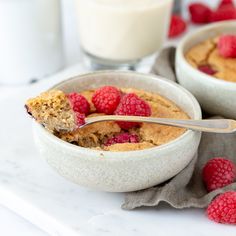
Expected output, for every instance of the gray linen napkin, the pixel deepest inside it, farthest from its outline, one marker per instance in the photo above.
(186, 189)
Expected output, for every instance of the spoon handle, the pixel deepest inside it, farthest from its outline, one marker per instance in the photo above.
(214, 125)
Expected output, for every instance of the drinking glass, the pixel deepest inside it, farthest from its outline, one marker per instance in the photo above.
(120, 33)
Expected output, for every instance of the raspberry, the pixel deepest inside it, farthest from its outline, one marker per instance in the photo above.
(223, 14)
(227, 46)
(122, 138)
(226, 4)
(223, 208)
(78, 103)
(80, 119)
(218, 172)
(132, 105)
(106, 99)
(199, 13)
(207, 69)
(177, 26)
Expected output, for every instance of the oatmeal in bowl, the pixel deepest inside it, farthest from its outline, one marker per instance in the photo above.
(116, 156)
(206, 66)
(215, 57)
(62, 115)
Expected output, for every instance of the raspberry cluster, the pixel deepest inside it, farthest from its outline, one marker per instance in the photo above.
(110, 100)
(201, 13)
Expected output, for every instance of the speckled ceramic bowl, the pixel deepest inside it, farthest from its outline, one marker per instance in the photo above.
(215, 96)
(122, 171)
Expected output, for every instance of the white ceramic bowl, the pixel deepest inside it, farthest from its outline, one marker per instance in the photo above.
(122, 171)
(216, 96)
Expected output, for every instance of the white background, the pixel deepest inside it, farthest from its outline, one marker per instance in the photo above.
(11, 224)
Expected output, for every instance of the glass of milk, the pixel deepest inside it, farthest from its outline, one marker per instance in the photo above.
(120, 33)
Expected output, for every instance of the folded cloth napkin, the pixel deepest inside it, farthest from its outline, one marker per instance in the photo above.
(186, 189)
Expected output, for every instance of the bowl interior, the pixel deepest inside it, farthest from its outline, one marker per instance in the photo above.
(150, 83)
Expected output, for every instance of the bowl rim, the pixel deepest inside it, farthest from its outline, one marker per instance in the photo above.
(73, 148)
(202, 76)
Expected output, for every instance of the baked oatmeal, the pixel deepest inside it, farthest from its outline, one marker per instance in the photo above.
(207, 57)
(54, 110)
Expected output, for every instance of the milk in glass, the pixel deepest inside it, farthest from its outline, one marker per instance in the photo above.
(123, 30)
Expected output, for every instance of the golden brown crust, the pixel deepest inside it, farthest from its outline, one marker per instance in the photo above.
(198, 55)
(52, 109)
(206, 53)
(123, 147)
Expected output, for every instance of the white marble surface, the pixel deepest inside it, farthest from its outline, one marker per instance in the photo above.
(12, 225)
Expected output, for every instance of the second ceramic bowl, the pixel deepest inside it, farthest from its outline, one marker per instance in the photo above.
(122, 171)
(216, 96)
